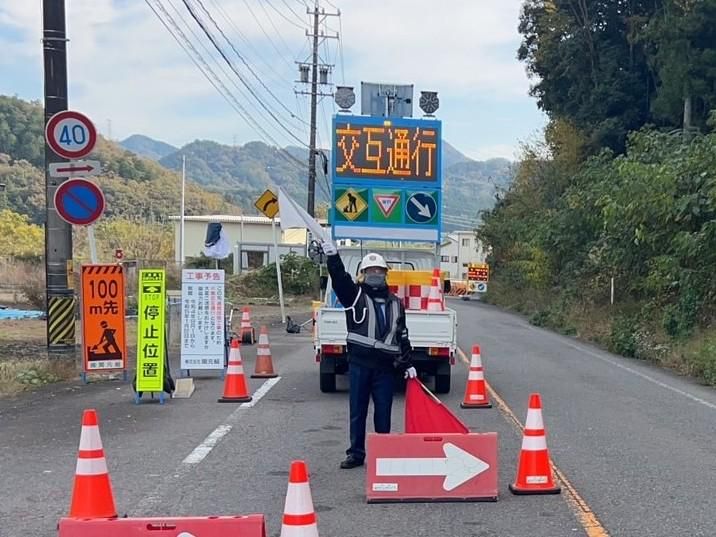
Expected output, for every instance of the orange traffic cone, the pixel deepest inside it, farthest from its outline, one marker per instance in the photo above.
(264, 362)
(435, 302)
(476, 390)
(534, 473)
(235, 390)
(248, 334)
(299, 518)
(92, 493)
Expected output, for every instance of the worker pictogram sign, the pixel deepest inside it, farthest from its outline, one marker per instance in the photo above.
(434, 467)
(351, 204)
(267, 204)
(103, 327)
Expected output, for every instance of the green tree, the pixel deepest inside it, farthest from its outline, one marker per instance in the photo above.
(21, 238)
(588, 66)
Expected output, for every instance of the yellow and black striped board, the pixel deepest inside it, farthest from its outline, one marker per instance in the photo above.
(61, 321)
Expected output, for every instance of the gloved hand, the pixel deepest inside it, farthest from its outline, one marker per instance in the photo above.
(411, 373)
(329, 248)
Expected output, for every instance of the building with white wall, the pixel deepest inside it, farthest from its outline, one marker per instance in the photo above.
(251, 236)
(458, 250)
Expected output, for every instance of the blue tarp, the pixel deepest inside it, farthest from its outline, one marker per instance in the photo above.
(13, 314)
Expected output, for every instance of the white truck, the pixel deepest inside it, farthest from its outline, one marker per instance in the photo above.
(433, 334)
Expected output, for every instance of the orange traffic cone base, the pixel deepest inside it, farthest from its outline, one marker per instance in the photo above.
(244, 399)
(514, 489)
(475, 405)
(264, 375)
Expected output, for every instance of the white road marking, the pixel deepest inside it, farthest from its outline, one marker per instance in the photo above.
(202, 450)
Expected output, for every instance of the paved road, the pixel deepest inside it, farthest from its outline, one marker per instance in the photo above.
(633, 441)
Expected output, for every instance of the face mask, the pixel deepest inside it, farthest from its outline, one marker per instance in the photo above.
(375, 280)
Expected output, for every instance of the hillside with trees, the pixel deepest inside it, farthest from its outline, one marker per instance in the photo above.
(242, 173)
(623, 188)
(139, 192)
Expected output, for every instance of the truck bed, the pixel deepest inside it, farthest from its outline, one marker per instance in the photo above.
(426, 328)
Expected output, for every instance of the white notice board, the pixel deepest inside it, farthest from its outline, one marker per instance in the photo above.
(202, 326)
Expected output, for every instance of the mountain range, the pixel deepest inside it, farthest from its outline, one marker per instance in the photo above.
(241, 173)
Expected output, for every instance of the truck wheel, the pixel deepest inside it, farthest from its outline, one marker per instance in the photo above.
(328, 382)
(442, 383)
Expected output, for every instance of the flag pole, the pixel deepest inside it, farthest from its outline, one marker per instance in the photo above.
(278, 271)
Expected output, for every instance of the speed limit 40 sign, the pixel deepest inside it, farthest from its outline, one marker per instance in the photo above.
(70, 135)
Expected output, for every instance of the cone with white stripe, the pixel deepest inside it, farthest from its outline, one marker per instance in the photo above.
(247, 332)
(235, 390)
(435, 299)
(476, 389)
(264, 362)
(92, 493)
(299, 517)
(534, 473)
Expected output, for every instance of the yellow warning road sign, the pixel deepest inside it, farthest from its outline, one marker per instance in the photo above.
(267, 204)
(351, 204)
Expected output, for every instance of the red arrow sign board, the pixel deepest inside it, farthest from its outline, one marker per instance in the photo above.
(428, 468)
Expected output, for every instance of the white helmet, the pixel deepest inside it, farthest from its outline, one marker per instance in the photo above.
(373, 260)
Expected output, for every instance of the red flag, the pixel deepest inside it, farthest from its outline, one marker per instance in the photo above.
(424, 413)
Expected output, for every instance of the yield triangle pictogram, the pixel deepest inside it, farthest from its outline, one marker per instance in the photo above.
(386, 203)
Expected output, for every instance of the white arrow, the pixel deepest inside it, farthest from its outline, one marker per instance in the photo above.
(458, 466)
(423, 210)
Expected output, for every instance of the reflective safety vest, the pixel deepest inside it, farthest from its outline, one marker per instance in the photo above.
(364, 331)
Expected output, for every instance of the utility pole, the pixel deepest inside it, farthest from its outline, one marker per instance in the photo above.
(319, 15)
(181, 222)
(58, 233)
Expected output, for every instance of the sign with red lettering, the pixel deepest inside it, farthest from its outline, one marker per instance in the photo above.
(435, 467)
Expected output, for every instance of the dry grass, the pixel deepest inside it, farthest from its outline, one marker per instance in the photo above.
(21, 375)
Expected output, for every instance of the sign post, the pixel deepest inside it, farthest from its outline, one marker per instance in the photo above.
(104, 346)
(202, 328)
(387, 179)
(150, 333)
(268, 205)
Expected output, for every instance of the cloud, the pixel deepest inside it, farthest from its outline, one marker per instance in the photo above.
(124, 65)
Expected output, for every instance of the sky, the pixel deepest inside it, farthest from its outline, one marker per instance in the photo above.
(130, 75)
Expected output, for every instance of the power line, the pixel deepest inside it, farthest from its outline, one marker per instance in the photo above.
(238, 54)
(219, 64)
(186, 45)
(263, 30)
(284, 17)
(279, 76)
(298, 16)
(248, 87)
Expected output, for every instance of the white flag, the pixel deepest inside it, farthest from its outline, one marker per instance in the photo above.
(292, 215)
(218, 249)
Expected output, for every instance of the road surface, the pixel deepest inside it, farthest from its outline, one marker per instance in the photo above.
(634, 443)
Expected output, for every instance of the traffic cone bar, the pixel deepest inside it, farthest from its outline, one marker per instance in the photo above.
(299, 517)
(534, 471)
(92, 492)
(476, 389)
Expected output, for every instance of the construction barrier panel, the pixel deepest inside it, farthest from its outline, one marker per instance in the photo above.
(223, 526)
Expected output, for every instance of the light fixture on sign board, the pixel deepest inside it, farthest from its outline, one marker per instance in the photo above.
(345, 97)
(429, 102)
